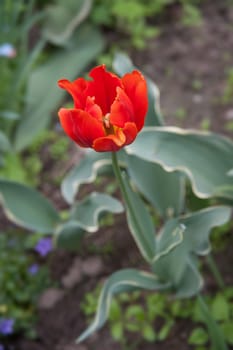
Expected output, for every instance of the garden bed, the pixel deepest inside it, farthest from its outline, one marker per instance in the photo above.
(191, 66)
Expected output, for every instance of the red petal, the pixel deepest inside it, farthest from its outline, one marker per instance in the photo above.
(113, 143)
(93, 109)
(80, 126)
(76, 89)
(103, 87)
(130, 131)
(122, 110)
(136, 89)
(110, 143)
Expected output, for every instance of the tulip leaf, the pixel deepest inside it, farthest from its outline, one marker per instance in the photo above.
(165, 191)
(122, 65)
(179, 266)
(85, 172)
(27, 208)
(140, 223)
(120, 281)
(87, 212)
(4, 142)
(43, 94)
(206, 158)
(84, 218)
(62, 18)
(69, 235)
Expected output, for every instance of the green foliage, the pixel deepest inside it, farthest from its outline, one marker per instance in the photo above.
(27, 207)
(229, 125)
(152, 317)
(25, 81)
(121, 281)
(132, 17)
(198, 337)
(221, 309)
(63, 18)
(128, 17)
(26, 168)
(41, 85)
(16, 21)
(197, 84)
(181, 113)
(19, 288)
(212, 181)
(205, 124)
(129, 314)
(191, 15)
(85, 216)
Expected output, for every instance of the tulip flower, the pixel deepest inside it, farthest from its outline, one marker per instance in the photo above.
(108, 112)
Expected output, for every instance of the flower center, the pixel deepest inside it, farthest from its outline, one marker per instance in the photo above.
(106, 121)
(108, 127)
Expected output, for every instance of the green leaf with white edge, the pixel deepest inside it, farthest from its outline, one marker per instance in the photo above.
(86, 213)
(120, 281)
(179, 266)
(28, 208)
(140, 223)
(62, 18)
(191, 281)
(199, 225)
(4, 142)
(69, 235)
(85, 172)
(206, 158)
(84, 218)
(42, 84)
(165, 191)
(122, 65)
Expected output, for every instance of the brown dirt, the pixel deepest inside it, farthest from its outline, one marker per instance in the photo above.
(190, 65)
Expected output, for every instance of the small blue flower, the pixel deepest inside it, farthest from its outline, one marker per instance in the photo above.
(32, 270)
(6, 326)
(2, 347)
(7, 50)
(44, 246)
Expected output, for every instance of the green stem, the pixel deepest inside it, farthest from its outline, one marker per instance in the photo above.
(215, 333)
(128, 203)
(117, 173)
(215, 271)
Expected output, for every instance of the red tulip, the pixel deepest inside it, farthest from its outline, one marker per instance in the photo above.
(108, 111)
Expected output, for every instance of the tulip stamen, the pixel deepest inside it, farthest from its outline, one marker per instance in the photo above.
(109, 128)
(106, 121)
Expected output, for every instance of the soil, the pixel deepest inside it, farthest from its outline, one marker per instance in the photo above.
(176, 60)
(190, 67)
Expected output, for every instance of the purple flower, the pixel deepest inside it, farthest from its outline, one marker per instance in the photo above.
(32, 270)
(44, 246)
(1, 347)
(6, 326)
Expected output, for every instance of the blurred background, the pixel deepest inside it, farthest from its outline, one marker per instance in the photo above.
(186, 48)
